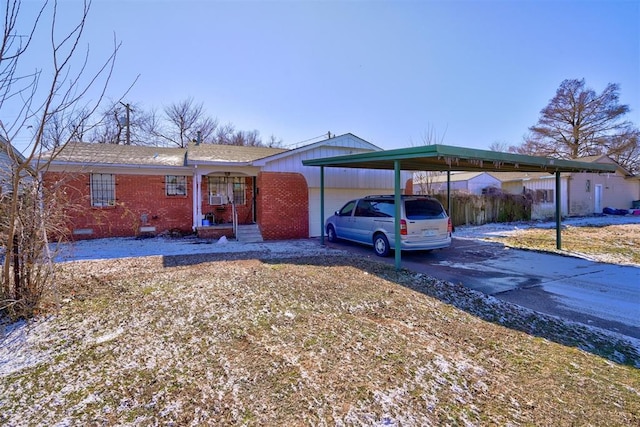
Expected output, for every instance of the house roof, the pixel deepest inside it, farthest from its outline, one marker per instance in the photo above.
(449, 158)
(217, 153)
(10, 150)
(519, 176)
(456, 176)
(114, 154)
(347, 141)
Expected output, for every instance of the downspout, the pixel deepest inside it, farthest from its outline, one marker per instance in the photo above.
(449, 193)
(558, 212)
(322, 205)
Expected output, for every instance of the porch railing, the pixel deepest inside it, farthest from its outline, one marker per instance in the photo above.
(234, 215)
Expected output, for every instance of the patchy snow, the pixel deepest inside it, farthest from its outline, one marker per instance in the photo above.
(508, 228)
(458, 375)
(128, 247)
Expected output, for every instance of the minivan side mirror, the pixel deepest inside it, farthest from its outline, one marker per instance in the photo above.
(337, 213)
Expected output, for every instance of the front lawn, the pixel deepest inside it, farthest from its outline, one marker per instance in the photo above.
(617, 244)
(325, 340)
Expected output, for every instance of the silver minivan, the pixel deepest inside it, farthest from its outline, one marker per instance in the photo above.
(424, 224)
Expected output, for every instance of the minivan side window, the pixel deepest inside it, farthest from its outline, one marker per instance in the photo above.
(383, 208)
(424, 209)
(346, 209)
(363, 209)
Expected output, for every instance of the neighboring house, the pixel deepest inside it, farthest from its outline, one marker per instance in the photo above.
(581, 193)
(468, 182)
(123, 190)
(590, 193)
(9, 159)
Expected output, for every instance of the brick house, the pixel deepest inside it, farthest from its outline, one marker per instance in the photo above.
(212, 190)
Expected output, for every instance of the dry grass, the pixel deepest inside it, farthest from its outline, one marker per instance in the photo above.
(327, 340)
(618, 244)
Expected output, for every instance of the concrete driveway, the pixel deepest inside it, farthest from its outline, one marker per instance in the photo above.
(597, 294)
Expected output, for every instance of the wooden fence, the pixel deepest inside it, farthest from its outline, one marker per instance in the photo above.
(470, 209)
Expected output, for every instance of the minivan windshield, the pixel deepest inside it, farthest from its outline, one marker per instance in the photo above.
(424, 209)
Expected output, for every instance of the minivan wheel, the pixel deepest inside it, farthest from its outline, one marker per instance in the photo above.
(331, 234)
(381, 245)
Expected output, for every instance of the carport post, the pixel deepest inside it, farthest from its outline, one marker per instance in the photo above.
(322, 205)
(397, 200)
(449, 193)
(558, 212)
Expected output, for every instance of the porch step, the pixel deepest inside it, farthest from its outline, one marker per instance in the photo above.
(249, 233)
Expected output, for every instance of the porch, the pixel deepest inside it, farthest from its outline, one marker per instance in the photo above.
(246, 233)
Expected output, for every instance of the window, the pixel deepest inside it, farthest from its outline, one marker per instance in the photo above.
(176, 185)
(363, 209)
(231, 189)
(103, 189)
(424, 209)
(544, 196)
(384, 208)
(348, 208)
(239, 185)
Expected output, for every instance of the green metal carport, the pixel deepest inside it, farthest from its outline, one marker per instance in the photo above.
(449, 158)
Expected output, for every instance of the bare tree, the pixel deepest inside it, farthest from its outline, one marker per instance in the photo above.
(500, 147)
(30, 210)
(116, 126)
(579, 122)
(185, 120)
(274, 142)
(426, 179)
(65, 126)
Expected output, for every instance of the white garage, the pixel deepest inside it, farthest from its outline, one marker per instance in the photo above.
(341, 184)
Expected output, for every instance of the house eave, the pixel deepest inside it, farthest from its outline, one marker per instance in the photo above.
(57, 164)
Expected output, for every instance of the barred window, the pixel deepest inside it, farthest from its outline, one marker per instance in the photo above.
(103, 189)
(230, 189)
(176, 185)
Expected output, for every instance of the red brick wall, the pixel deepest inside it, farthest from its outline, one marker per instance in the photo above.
(408, 187)
(136, 195)
(283, 205)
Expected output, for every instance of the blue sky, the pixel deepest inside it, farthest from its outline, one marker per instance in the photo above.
(470, 72)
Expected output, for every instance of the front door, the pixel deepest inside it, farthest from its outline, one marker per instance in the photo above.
(598, 199)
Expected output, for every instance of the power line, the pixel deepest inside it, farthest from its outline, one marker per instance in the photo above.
(300, 143)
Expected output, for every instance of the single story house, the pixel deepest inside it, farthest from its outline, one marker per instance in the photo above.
(213, 190)
(10, 160)
(469, 182)
(582, 193)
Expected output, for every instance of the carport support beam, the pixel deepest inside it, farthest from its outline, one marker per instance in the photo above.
(558, 212)
(449, 193)
(397, 201)
(322, 205)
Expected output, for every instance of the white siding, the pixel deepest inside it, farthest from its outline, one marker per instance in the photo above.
(479, 183)
(541, 210)
(343, 145)
(472, 183)
(5, 172)
(341, 184)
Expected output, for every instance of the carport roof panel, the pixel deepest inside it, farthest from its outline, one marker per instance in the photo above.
(445, 157)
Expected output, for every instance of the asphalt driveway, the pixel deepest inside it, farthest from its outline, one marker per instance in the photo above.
(597, 294)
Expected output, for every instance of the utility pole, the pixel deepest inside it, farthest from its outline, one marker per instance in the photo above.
(127, 107)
